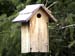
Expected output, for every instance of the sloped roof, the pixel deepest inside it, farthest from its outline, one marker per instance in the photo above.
(26, 14)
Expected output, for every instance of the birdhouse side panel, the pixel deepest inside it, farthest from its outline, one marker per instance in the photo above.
(25, 39)
(39, 32)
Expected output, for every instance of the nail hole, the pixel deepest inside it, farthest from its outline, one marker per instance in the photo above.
(30, 49)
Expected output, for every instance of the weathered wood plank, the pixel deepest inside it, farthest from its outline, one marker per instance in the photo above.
(34, 34)
(25, 39)
(43, 32)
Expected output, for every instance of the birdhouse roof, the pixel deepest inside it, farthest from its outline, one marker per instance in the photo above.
(30, 10)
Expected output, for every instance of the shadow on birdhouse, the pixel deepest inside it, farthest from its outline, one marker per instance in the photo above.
(34, 31)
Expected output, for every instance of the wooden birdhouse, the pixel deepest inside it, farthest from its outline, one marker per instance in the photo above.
(34, 28)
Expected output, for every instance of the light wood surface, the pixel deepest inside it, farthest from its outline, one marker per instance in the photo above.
(25, 39)
(39, 33)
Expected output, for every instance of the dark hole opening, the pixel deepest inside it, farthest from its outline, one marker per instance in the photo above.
(39, 15)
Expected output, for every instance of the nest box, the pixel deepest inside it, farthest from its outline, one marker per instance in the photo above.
(34, 28)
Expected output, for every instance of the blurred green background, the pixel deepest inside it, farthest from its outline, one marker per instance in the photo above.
(61, 34)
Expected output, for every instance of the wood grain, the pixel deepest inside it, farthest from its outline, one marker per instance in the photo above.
(39, 33)
(25, 39)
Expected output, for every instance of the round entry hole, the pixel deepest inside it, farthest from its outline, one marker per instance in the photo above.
(38, 15)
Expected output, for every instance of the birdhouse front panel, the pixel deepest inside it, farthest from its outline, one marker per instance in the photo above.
(39, 41)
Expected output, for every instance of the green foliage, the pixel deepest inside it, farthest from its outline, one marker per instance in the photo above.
(62, 40)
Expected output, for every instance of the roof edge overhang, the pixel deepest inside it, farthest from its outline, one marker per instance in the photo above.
(49, 14)
(51, 17)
